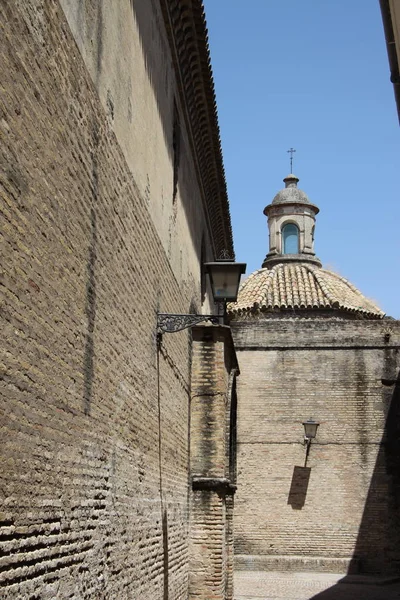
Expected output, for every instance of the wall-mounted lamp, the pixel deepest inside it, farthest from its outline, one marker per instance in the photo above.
(310, 432)
(225, 279)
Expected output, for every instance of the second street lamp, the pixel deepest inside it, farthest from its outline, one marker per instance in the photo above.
(310, 432)
(310, 429)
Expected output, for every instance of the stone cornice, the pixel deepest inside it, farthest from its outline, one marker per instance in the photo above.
(187, 33)
(281, 207)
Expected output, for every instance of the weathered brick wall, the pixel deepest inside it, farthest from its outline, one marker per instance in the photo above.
(229, 544)
(211, 520)
(94, 481)
(343, 505)
(207, 549)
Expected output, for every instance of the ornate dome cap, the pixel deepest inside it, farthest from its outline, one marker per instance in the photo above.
(300, 286)
(291, 193)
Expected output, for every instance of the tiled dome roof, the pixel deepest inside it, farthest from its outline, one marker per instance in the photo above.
(301, 286)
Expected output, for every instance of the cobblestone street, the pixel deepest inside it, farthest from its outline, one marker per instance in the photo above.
(254, 585)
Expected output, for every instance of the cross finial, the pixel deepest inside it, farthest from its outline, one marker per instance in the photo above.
(291, 152)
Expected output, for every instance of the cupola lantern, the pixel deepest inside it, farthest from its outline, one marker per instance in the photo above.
(291, 222)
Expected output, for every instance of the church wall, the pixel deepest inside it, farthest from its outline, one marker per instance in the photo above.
(126, 51)
(339, 512)
(95, 421)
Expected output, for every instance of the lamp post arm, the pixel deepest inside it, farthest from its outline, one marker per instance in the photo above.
(171, 323)
(307, 443)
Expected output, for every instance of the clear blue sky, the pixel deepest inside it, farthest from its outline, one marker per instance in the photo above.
(314, 75)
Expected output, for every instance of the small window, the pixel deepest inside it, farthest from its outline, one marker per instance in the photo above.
(290, 237)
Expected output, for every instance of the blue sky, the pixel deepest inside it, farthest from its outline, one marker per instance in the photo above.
(313, 75)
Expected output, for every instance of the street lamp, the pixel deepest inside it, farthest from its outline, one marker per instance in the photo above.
(225, 279)
(310, 430)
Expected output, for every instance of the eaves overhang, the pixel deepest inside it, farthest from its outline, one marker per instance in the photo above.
(391, 24)
(187, 32)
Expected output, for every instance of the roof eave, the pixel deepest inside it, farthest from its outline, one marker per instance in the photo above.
(257, 309)
(187, 33)
(389, 29)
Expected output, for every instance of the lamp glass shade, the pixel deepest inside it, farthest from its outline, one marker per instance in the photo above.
(310, 428)
(225, 279)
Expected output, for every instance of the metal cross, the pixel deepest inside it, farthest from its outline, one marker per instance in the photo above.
(291, 152)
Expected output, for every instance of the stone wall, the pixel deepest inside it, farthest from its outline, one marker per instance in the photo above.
(339, 511)
(95, 421)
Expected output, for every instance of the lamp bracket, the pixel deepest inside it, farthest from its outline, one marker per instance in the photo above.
(171, 323)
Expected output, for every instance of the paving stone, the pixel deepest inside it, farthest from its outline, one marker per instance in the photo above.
(255, 585)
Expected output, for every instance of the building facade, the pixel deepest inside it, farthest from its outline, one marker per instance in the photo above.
(112, 197)
(309, 344)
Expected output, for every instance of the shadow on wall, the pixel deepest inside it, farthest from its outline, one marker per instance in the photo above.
(377, 548)
(299, 487)
(164, 512)
(90, 309)
(88, 367)
(154, 52)
(165, 553)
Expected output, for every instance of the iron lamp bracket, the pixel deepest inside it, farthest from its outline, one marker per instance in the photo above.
(171, 323)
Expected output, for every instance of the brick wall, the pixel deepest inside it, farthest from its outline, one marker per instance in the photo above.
(214, 369)
(94, 482)
(340, 510)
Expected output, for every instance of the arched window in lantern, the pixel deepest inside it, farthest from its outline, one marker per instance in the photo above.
(290, 237)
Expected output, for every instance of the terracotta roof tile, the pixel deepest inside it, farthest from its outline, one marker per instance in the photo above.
(301, 286)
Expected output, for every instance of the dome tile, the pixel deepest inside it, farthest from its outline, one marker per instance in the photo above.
(301, 285)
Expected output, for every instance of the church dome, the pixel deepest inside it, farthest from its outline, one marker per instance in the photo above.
(294, 286)
(292, 277)
(300, 286)
(291, 193)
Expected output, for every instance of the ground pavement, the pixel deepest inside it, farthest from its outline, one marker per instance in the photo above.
(256, 585)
